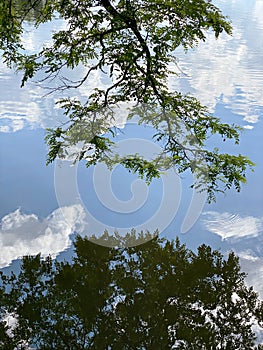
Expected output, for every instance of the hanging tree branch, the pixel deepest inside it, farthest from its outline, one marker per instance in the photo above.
(132, 43)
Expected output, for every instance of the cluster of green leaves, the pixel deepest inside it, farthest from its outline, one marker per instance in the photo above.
(134, 43)
(10, 31)
(159, 295)
(13, 13)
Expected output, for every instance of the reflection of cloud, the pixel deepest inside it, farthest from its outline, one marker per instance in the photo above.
(11, 322)
(29, 107)
(228, 225)
(258, 12)
(228, 69)
(247, 254)
(254, 270)
(22, 234)
(26, 107)
(251, 119)
(249, 127)
(244, 236)
(213, 76)
(16, 116)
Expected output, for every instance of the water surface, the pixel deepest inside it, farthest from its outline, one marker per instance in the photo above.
(225, 74)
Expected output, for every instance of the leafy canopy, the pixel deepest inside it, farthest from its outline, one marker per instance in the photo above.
(159, 295)
(133, 44)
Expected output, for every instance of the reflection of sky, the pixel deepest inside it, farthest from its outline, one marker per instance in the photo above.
(226, 75)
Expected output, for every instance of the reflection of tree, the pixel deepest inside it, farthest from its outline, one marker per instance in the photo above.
(29, 10)
(13, 13)
(156, 296)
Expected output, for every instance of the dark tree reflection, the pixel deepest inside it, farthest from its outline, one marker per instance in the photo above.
(159, 295)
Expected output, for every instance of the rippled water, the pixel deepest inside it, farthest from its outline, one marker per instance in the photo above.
(225, 74)
(229, 70)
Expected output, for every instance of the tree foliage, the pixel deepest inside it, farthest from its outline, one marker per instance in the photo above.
(133, 44)
(160, 295)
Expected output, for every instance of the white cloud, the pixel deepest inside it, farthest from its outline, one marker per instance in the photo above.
(228, 225)
(22, 234)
